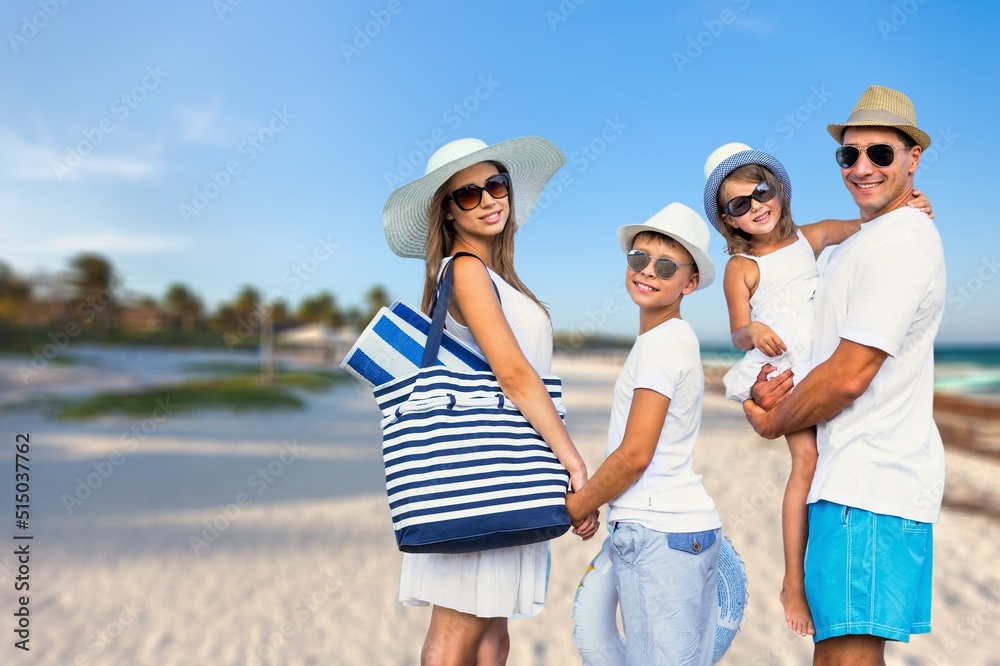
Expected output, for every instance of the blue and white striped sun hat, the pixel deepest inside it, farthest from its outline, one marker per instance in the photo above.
(728, 158)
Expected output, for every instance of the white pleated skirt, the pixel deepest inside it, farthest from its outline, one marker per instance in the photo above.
(503, 582)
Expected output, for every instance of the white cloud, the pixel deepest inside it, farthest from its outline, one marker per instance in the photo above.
(23, 160)
(209, 125)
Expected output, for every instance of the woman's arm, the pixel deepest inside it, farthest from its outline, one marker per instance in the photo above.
(477, 304)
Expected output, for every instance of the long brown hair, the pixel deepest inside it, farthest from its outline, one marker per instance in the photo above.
(737, 240)
(441, 240)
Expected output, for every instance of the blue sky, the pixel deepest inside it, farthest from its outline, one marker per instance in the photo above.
(228, 143)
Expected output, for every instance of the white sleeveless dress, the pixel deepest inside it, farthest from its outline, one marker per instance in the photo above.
(784, 301)
(503, 582)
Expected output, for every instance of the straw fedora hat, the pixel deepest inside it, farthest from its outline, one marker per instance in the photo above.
(883, 107)
(531, 161)
(683, 225)
(728, 158)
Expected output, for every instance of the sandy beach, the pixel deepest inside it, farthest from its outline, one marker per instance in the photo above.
(223, 539)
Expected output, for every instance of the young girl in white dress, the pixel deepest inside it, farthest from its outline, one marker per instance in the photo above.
(466, 203)
(769, 284)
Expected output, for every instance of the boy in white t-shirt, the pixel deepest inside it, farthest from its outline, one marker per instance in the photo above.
(665, 528)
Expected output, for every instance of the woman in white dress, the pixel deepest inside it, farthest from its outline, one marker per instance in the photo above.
(466, 203)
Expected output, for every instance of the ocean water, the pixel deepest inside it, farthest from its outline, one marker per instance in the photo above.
(970, 370)
(957, 369)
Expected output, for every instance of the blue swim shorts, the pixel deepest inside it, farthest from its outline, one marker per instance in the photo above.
(868, 573)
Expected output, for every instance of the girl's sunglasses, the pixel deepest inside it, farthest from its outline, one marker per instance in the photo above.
(741, 205)
(879, 154)
(468, 197)
(665, 268)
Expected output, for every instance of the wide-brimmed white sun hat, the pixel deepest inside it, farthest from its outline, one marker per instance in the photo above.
(728, 158)
(531, 162)
(686, 227)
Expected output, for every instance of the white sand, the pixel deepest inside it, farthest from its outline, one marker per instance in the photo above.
(306, 571)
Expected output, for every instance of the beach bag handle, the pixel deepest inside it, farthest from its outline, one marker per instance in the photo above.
(439, 310)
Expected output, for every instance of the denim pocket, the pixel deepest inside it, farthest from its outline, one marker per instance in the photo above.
(627, 542)
(692, 542)
(915, 527)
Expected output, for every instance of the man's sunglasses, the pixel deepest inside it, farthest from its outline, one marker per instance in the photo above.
(741, 205)
(468, 197)
(879, 154)
(665, 268)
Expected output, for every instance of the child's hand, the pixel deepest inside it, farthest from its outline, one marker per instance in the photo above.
(766, 339)
(921, 203)
(588, 528)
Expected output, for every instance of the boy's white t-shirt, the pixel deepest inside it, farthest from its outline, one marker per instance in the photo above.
(669, 496)
(884, 288)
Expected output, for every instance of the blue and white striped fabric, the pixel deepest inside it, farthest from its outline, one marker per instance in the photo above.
(392, 344)
(464, 469)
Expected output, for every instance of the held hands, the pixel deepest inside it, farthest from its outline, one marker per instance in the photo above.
(586, 526)
(921, 203)
(766, 340)
(765, 395)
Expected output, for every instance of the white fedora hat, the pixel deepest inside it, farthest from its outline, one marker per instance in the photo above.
(683, 225)
(531, 161)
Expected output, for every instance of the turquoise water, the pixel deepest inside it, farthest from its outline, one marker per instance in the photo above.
(965, 369)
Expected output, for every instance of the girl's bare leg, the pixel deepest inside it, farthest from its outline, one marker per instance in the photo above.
(795, 530)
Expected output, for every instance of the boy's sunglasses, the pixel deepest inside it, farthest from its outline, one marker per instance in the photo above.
(665, 268)
(741, 205)
(468, 197)
(879, 154)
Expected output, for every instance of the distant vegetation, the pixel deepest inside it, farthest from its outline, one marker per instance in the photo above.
(92, 301)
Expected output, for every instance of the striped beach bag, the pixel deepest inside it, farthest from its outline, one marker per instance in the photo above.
(392, 346)
(464, 469)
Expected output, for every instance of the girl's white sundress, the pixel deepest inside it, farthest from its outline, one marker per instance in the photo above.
(784, 301)
(504, 582)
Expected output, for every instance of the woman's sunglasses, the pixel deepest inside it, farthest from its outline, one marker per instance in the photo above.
(879, 154)
(741, 205)
(665, 268)
(468, 197)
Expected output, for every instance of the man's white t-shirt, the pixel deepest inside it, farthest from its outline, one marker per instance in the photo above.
(669, 496)
(884, 287)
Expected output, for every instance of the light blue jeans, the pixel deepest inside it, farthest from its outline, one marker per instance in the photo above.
(668, 590)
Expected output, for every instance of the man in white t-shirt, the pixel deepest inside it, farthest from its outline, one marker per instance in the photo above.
(880, 473)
